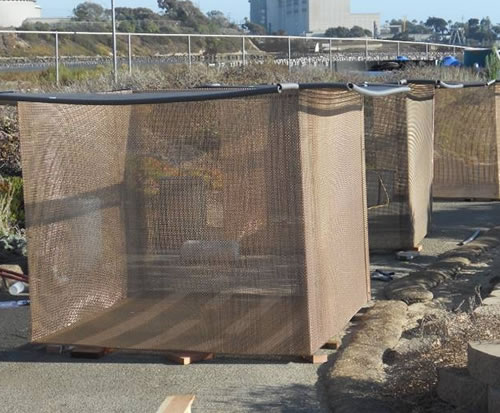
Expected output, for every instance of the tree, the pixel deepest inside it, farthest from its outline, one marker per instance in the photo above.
(338, 32)
(343, 32)
(358, 31)
(438, 24)
(90, 12)
(167, 5)
(253, 28)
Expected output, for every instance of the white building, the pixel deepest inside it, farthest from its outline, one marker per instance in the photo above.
(298, 17)
(14, 12)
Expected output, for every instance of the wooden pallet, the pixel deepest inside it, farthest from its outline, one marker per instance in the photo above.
(183, 358)
(177, 404)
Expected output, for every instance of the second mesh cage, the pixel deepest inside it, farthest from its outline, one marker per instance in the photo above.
(399, 135)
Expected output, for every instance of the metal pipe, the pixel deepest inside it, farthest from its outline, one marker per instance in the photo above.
(190, 58)
(243, 50)
(366, 49)
(233, 36)
(129, 54)
(57, 59)
(289, 53)
(445, 85)
(366, 91)
(399, 49)
(115, 54)
(330, 56)
(427, 51)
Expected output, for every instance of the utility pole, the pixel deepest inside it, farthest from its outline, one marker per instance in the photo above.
(115, 54)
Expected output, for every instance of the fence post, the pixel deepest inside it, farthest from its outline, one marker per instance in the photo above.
(129, 53)
(427, 51)
(190, 57)
(115, 52)
(330, 57)
(243, 51)
(289, 53)
(57, 59)
(399, 48)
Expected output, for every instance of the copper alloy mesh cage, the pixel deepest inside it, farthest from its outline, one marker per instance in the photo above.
(231, 226)
(467, 143)
(399, 132)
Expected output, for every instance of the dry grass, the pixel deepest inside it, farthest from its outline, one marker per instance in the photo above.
(180, 76)
(413, 376)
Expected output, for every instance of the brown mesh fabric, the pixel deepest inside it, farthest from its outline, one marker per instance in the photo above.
(230, 226)
(73, 171)
(399, 133)
(466, 148)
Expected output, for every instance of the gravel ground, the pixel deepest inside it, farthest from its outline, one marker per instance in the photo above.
(32, 381)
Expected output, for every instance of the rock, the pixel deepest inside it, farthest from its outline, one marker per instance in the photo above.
(493, 400)
(491, 301)
(495, 293)
(458, 388)
(484, 362)
(488, 310)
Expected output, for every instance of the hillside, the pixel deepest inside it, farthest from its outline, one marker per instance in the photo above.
(177, 17)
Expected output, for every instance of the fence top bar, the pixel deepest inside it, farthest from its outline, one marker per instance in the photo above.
(239, 36)
(447, 85)
(193, 95)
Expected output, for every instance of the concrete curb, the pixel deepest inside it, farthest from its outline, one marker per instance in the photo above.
(355, 381)
(416, 287)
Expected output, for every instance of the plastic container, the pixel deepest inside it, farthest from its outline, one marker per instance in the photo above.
(18, 288)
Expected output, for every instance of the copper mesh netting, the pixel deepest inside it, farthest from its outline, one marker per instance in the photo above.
(467, 142)
(230, 226)
(399, 133)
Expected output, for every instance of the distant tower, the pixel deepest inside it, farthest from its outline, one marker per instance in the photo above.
(258, 12)
(14, 12)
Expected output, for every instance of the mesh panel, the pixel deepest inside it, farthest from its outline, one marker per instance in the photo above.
(203, 226)
(399, 145)
(466, 148)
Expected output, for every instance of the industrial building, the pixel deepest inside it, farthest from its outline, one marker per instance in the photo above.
(298, 17)
(14, 12)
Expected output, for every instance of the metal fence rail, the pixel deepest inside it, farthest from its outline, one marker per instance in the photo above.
(331, 50)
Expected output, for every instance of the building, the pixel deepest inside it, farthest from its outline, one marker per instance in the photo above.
(298, 17)
(14, 12)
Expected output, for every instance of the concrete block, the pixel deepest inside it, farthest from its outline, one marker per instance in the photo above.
(484, 362)
(493, 400)
(458, 388)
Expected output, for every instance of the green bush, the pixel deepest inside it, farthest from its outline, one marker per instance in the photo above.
(12, 217)
(493, 65)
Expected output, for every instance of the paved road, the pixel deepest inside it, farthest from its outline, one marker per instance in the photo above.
(31, 381)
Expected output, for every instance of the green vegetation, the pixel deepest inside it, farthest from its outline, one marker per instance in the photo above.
(476, 32)
(355, 31)
(493, 65)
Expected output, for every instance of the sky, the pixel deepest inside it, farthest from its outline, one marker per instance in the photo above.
(237, 10)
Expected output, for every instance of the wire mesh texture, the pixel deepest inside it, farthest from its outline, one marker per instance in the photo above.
(467, 143)
(399, 133)
(231, 225)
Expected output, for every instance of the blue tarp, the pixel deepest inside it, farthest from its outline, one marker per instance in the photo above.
(449, 61)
